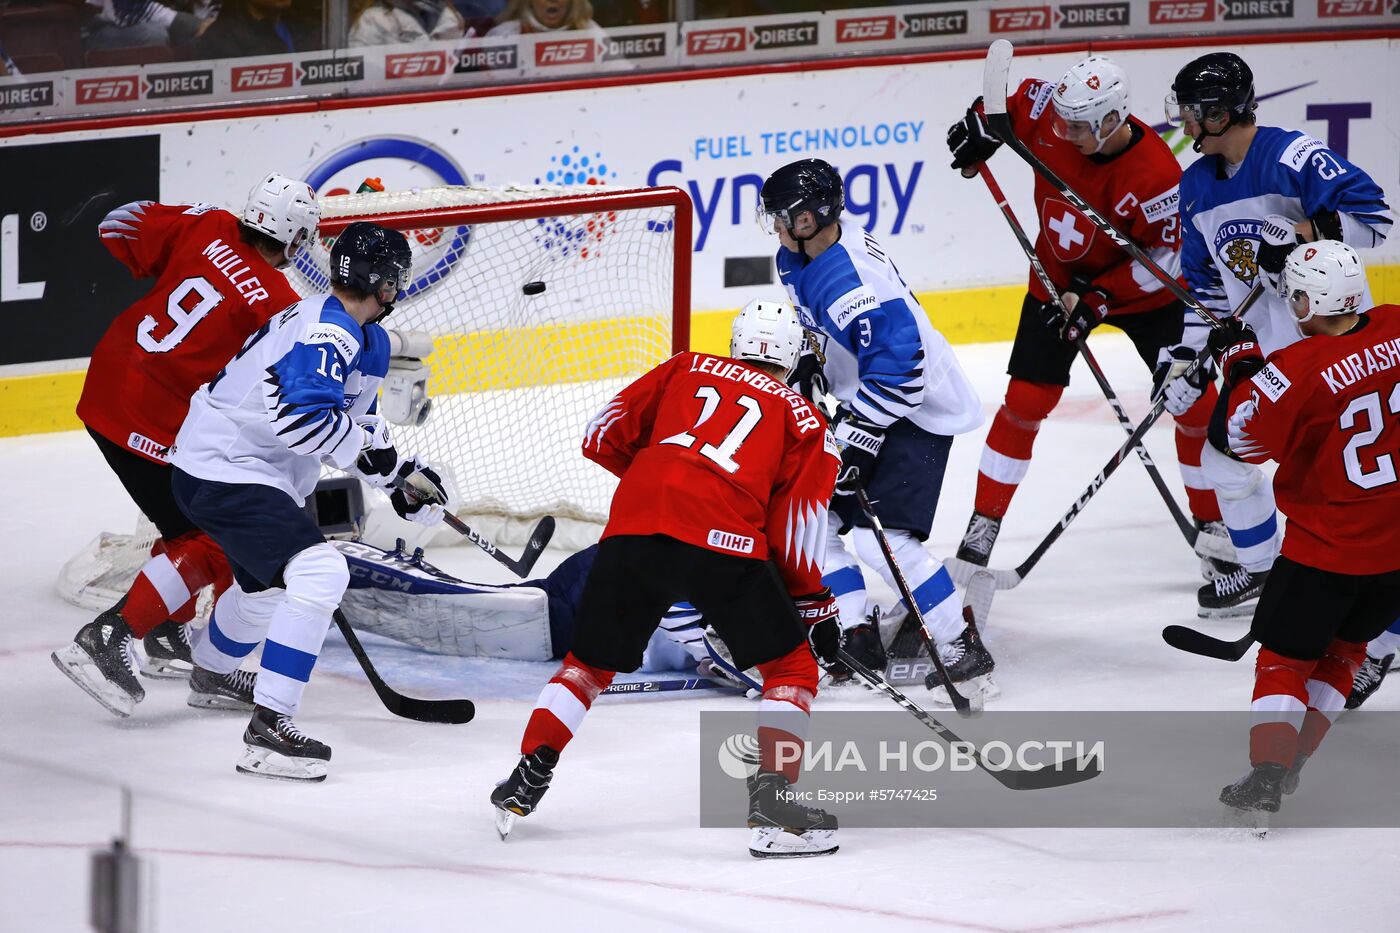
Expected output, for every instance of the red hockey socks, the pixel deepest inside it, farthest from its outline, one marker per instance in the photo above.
(166, 586)
(1328, 689)
(563, 703)
(789, 686)
(1280, 701)
(1191, 431)
(1007, 454)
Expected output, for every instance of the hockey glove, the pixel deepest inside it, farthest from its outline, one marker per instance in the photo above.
(818, 612)
(376, 433)
(422, 496)
(1181, 390)
(970, 142)
(808, 378)
(861, 442)
(1277, 237)
(1087, 307)
(1236, 347)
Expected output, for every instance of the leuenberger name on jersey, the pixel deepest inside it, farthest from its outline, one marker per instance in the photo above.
(1356, 366)
(226, 260)
(759, 382)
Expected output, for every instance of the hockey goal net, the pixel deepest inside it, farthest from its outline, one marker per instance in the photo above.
(540, 302)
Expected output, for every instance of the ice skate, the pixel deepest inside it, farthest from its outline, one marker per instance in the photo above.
(969, 665)
(275, 748)
(100, 661)
(862, 642)
(1260, 789)
(977, 542)
(167, 652)
(1231, 596)
(519, 794)
(783, 828)
(1368, 679)
(1289, 784)
(209, 690)
(1213, 568)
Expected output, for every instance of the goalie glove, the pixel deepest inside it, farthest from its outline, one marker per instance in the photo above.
(1170, 378)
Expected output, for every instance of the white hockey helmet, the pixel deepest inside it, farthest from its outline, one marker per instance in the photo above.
(1088, 93)
(767, 332)
(1328, 274)
(284, 209)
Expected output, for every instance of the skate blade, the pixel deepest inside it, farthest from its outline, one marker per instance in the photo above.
(776, 842)
(978, 691)
(79, 668)
(505, 822)
(1253, 822)
(165, 669)
(1243, 610)
(265, 763)
(216, 701)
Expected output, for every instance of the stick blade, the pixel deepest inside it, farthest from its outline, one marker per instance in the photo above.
(977, 597)
(1193, 642)
(447, 712)
(995, 72)
(1045, 778)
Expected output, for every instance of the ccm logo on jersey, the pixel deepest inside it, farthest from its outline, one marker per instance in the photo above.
(1268, 380)
(854, 302)
(108, 90)
(1181, 11)
(1020, 19)
(730, 541)
(262, 77)
(566, 52)
(415, 65)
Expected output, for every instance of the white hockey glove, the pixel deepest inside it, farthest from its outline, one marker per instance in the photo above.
(1181, 391)
(422, 495)
(376, 433)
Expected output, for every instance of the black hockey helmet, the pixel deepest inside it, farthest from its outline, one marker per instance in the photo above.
(372, 259)
(806, 185)
(1213, 87)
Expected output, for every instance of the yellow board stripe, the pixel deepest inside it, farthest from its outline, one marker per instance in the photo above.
(37, 404)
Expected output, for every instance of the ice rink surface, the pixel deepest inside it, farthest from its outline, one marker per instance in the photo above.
(400, 836)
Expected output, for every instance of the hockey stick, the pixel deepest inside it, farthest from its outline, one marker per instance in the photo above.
(539, 537)
(962, 570)
(1188, 639)
(994, 81)
(447, 711)
(960, 702)
(665, 686)
(1012, 778)
(1203, 545)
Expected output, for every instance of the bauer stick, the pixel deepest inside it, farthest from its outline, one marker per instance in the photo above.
(420, 490)
(446, 711)
(1010, 579)
(1204, 545)
(960, 702)
(1188, 639)
(1013, 778)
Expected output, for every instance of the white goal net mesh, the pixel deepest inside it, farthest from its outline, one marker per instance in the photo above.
(541, 303)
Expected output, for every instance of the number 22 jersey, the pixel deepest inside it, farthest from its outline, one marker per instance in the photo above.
(212, 290)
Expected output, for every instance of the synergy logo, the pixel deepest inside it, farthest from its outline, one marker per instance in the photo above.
(399, 162)
(582, 234)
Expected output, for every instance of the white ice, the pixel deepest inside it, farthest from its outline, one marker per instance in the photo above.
(400, 836)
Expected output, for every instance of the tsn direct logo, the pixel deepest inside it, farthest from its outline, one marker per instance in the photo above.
(716, 41)
(1181, 11)
(415, 65)
(1020, 19)
(565, 52)
(108, 90)
(865, 29)
(1332, 9)
(261, 77)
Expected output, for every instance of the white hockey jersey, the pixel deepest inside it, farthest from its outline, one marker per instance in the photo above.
(1284, 172)
(884, 358)
(287, 402)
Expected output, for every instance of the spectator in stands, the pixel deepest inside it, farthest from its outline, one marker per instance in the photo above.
(7, 67)
(522, 17)
(384, 22)
(124, 24)
(248, 27)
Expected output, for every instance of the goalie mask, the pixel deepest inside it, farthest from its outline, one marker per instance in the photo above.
(284, 209)
(374, 260)
(1084, 99)
(767, 332)
(1323, 278)
(805, 185)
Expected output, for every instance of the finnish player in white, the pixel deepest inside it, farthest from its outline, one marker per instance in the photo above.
(1255, 193)
(903, 397)
(302, 392)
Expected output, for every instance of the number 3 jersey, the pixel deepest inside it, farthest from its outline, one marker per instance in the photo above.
(212, 290)
(1328, 410)
(287, 402)
(716, 453)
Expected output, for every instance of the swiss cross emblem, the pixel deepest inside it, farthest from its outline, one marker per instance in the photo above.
(1093, 82)
(1310, 253)
(1068, 233)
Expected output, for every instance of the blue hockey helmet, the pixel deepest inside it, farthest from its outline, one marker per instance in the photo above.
(805, 185)
(374, 260)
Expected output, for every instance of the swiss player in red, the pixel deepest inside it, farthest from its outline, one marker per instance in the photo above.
(1328, 410)
(217, 281)
(1082, 129)
(726, 477)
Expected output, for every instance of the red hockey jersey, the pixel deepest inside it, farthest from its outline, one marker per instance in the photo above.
(1135, 190)
(716, 453)
(212, 290)
(1328, 410)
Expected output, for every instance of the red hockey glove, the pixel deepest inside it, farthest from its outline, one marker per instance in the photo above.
(818, 612)
(1087, 309)
(1235, 345)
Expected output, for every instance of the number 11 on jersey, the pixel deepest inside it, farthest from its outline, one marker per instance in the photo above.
(723, 453)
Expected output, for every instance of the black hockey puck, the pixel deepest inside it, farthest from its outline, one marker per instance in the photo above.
(533, 288)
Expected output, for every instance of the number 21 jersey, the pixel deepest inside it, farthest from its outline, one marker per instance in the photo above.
(212, 290)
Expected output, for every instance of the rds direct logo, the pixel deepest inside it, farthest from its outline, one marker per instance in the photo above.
(398, 163)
